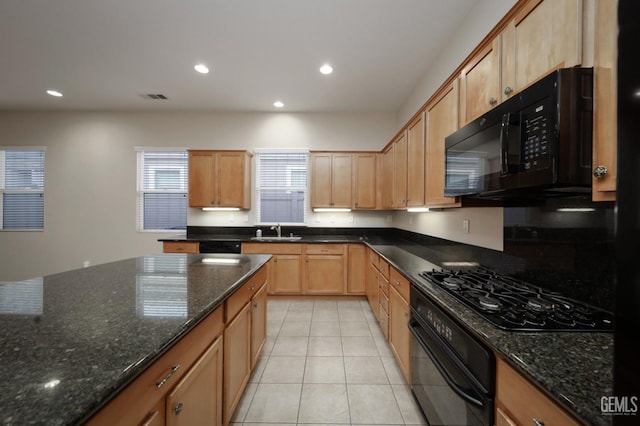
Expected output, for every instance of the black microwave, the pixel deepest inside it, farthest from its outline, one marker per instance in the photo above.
(535, 144)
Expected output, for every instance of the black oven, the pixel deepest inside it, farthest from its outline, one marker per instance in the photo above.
(452, 373)
(540, 139)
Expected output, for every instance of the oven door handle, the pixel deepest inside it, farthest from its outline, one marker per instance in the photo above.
(453, 385)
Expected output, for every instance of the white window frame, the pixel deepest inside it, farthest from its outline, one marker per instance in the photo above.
(289, 168)
(141, 191)
(3, 190)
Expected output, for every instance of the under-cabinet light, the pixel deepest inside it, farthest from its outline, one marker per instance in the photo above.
(418, 209)
(220, 209)
(330, 210)
(221, 261)
(460, 264)
(577, 209)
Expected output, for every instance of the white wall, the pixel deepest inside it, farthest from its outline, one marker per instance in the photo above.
(90, 174)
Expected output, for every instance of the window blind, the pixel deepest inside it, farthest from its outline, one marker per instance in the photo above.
(281, 186)
(163, 180)
(22, 189)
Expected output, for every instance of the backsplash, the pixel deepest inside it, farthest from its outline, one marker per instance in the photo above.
(566, 245)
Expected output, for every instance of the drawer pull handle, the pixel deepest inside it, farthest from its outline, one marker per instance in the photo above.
(166, 378)
(537, 422)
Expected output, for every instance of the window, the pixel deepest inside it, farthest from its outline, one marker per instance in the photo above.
(281, 186)
(22, 189)
(163, 177)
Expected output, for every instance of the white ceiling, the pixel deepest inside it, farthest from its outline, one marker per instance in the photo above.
(103, 54)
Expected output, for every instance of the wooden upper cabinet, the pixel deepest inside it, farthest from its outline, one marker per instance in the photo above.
(441, 121)
(544, 35)
(400, 171)
(220, 179)
(415, 161)
(331, 180)
(604, 100)
(480, 83)
(387, 178)
(365, 180)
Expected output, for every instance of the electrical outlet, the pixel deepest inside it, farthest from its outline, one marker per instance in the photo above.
(465, 225)
(410, 220)
(350, 218)
(332, 219)
(389, 218)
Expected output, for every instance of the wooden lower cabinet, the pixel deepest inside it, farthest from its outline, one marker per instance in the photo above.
(180, 247)
(325, 269)
(151, 399)
(356, 269)
(518, 402)
(313, 269)
(237, 360)
(197, 398)
(399, 334)
(258, 323)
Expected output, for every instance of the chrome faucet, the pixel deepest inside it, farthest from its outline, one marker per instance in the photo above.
(278, 229)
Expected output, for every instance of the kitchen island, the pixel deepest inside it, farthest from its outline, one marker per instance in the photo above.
(72, 341)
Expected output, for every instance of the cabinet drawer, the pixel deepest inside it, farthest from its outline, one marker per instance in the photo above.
(155, 382)
(520, 401)
(384, 304)
(325, 248)
(383, 266)
(400, 283)
(180, 247)
(242, 296)
(374, 259)
(383, 284)
(272, 248)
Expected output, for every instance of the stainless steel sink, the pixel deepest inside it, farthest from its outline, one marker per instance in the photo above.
(290, 238)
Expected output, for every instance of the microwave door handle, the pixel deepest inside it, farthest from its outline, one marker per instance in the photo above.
(504, 142)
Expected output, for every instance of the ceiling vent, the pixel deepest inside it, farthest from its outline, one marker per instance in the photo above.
(154, 96)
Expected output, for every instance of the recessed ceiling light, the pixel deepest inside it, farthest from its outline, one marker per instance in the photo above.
(278, 104)
(326, 69)
(54, 93)
(201, 68)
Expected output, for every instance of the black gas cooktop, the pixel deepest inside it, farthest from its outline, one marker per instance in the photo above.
(512, 304)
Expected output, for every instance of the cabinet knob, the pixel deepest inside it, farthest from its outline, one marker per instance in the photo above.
(507, 90)
(493, 101)
(600, 171)
(178, 408)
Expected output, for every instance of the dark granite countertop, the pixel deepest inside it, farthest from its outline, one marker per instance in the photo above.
(71, 341)
(267, 237)
(575, 368)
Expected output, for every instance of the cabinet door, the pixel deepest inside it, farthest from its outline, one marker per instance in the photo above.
(605, 100)
(231, 185)
(364, 181)
(373, 290)
(415, 162)
(325, 274)
(400, 172)
(480, 83)
(237, 360)
(357, 269)
(387, 178)
(341, 180)
(258, 323)
(399, 334)
(442, 120)
(321, 194)
(543, 36)
(286, 274)
(202, 165)
(197, 398)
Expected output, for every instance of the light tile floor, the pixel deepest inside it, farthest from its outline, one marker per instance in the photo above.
(325, 362)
